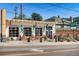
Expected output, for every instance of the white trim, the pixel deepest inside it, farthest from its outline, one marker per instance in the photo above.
(7, 31)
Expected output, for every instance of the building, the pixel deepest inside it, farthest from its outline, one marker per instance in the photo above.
(16, 28)
(63, 27)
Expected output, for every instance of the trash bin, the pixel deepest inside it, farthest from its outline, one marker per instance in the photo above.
(20, 38)
(28, 39)
(3, 39)
(56, 39)
(41, 40)
(12, 39)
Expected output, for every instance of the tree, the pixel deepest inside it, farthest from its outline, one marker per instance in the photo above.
(54, 18)
(22, 17)
(36, 16)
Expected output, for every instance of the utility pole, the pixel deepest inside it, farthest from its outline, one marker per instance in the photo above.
(76, 34)
(73, 29)
(21, 18)
(1, 26)
(63, 24)
(21, 11)
(15, 12)
(72, 21)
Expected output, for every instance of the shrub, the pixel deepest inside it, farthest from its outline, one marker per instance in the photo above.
(12, 39)
(68, 38)
(61, 38)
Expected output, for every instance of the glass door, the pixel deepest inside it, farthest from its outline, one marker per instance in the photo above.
(38, 31)
(49, 32)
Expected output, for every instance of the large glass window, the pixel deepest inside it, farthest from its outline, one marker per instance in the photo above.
(49, 32)
(38, 31)
(13, 31)
(27, 31)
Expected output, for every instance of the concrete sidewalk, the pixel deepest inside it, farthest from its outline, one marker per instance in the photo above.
(34, 43)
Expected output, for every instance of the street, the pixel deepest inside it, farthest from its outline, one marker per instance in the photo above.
(41, 50)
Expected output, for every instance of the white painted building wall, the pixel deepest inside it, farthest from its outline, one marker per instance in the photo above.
(33, 31)
(7, 31)
(53, 29)
(44, 30)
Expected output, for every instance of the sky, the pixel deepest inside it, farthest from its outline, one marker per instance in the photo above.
(46, 10)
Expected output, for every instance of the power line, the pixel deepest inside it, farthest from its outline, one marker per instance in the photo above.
(63, 7)
(15, 11)
(10, 12)
(47, 8)
(58, 6)
(20, 11)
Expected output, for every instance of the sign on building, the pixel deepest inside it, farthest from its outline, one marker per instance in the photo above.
(73, 25)
(21, 29)
(33, 30)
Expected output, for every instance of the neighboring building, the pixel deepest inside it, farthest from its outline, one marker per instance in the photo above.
(63, 26)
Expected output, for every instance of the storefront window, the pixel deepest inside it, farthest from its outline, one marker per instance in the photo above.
(49, 32)
(27, 31)
(13, 31)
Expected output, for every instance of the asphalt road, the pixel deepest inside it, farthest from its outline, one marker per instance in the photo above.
(44, 50)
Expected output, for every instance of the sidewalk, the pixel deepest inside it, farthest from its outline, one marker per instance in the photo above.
(34, 43)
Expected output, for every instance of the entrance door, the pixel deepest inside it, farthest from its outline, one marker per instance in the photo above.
(49, 32)
(38, 31)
